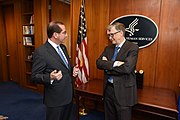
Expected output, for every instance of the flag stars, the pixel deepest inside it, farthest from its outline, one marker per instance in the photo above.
(81, 56)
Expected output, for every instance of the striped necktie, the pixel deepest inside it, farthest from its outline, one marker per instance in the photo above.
(62, 56)
(110, 79)
(115, 53)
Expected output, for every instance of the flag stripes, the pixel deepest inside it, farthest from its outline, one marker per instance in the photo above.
(82, 50)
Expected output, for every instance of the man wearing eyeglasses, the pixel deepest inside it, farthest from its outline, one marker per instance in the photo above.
(118, 61)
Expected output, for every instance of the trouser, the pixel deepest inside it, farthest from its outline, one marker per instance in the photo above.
(113, 110)
(60, 113)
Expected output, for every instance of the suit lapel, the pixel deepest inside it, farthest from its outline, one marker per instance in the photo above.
(111, 51)
(66, 54)
(53, 52)
(122, 49)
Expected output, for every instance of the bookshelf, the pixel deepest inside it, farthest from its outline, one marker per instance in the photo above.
(28, 40)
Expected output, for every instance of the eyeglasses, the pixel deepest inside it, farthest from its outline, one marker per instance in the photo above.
(111, 35)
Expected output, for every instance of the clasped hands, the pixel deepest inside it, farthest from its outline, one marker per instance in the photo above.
(116, 63)
(56, 75)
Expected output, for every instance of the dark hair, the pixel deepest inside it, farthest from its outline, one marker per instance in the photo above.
(118, 26)
(53, 27)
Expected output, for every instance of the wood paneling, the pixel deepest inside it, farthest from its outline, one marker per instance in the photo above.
(3, 52)
(74, 10)
(12, 44)
(45, 18)
(160, 60)
(18, 24)
(41, 21)
(97, 18)
(61, 12)
(168, 64)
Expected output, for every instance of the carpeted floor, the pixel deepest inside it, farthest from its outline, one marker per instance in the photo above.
(23, 104)
(19, 103)
(93, 115)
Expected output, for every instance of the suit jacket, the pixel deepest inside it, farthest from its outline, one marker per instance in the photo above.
(124, 79)
(45, 60)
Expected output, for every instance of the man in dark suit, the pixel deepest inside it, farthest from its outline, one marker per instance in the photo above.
(52, 67)
(118, 61)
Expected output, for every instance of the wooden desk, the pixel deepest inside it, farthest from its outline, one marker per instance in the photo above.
(157, 101)
(161, 102)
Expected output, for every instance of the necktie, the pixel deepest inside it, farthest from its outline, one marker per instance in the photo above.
(110, 79)
(62, 56)
(115, 53)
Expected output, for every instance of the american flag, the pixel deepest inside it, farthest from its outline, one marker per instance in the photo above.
(82, 50)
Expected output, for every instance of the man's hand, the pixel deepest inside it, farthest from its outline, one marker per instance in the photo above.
(75, 70)
(104, 58)
(56, 75)
(118, 63)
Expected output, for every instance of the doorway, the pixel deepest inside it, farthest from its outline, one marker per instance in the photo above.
(10, 69)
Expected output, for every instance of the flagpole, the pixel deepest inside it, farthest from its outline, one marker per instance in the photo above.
(81, 35)
(82, 32)
(82, 111)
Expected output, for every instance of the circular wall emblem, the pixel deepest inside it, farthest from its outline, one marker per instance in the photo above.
(140, 29)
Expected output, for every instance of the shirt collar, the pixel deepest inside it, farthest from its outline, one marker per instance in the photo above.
(120, 45)
(52, 43)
